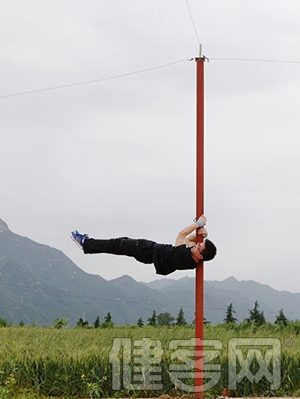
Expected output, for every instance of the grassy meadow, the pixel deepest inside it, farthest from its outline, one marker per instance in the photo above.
(75, 362)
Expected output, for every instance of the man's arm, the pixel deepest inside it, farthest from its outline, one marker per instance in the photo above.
(181, 238)
(191, 240)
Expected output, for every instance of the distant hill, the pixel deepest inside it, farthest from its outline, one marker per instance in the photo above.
(243, 294)
(39, 284)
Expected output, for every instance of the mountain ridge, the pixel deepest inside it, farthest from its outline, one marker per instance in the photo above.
(39, 283)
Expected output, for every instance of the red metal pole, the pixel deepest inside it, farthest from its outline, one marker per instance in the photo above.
(199, 308)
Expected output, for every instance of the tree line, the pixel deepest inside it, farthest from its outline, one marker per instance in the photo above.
(256, 317)
(161, 319)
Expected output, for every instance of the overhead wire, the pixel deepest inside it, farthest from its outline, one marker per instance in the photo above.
(233, 59)
(149, 69)
(93, 81)
(111, 77)
(253, 60)
(193, 23)
(143, 71)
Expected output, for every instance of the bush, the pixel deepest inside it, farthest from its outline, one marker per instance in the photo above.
(3, 322)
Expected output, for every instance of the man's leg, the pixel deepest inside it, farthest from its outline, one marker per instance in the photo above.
(140, 249)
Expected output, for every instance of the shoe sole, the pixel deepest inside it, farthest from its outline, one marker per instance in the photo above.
(76, 242)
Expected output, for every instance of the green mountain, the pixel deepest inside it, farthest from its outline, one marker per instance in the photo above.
(39, 284)
(243, 294)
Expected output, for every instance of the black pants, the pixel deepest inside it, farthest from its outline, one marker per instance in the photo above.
(141, 249)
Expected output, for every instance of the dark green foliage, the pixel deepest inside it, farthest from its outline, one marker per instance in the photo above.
(3, 322)
(229, 315)
(165, 319)
(140, 322)
(281, 319)
(107, 318)
(255, 316)
(108, 323)
(205, 321)
(82, 323)
(152, 321)
(60, 323)
(180, 320)
(97, 322)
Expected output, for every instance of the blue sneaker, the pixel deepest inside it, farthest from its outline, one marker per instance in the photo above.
(78, 238)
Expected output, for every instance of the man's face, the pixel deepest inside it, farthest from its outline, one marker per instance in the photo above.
(196, 251)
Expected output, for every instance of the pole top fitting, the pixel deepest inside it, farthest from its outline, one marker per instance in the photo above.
(201, 56)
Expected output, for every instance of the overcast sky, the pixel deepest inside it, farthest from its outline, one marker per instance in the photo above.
(116, 157)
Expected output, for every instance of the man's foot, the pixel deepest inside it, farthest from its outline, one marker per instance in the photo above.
(78, 238)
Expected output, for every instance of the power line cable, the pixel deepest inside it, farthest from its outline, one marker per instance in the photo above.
(254, 60)
(143, 71)
(92, 81)
(193, 23)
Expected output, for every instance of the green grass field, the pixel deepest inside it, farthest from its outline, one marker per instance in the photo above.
(78, 362)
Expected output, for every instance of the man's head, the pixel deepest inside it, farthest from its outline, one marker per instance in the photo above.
(210, 250)
(203, 251)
